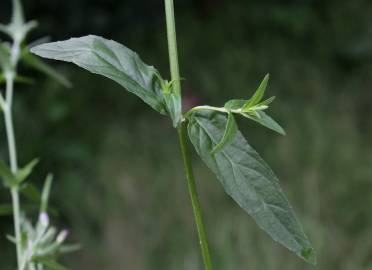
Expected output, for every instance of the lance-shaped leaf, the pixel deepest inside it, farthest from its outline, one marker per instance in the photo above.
(24, 172)
(263, 119)
(255, 114)
(249, 181)
(258, 95)
(229, 134)
(112, 60)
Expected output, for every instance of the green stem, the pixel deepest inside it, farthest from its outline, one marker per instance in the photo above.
(194, 196)
(172, 46)
(181, 129)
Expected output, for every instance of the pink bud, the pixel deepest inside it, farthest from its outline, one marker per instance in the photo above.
(44, 219)
(62, 236)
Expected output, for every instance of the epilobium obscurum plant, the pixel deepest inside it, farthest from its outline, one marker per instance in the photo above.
(37, 246)
(212, 130)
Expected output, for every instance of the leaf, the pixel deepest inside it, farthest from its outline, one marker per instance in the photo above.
(112, 60)
(258, 95)
(249, 181)
(235, 104)
(173, 103)
(266, 102)
(8, 177)
(34, 62)
(24, 172)
(172, 100)
(48, 262)
(229, 134)
(6, 209)
(265, 120)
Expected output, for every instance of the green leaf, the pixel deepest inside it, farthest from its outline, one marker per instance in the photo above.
(266, 102)
(112, 60)
(172, 100)
(24, 172)
(35, 63)
(249, 181)
(229, 134)
(265, 120)
(235, 104)
(8, 177)
(6, 209)
(48, 262)
(173, 103)
(258, 95)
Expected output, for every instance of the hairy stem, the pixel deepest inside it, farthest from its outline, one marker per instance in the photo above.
(174, 67)
(13, 162)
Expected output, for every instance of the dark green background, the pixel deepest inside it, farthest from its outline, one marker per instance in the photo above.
(119, 183)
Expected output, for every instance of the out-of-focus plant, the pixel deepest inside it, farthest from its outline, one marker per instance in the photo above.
(212, 130)
(38, 245)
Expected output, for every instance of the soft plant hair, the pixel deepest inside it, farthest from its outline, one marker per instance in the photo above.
(212, 130)
(38, 244)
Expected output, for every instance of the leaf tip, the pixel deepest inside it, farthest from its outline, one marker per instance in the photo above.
(267, 77)
(308, 254)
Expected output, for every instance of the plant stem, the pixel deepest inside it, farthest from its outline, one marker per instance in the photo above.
(13, 162)
(9, 124)
(181, 129)
(172, 46)
(194, 196)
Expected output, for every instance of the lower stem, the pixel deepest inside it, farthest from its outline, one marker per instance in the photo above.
(194, 197)
(17, 223)
(13, 164)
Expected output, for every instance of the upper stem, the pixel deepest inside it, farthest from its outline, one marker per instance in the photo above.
(8, 118)
(9, 124)
(172, 46)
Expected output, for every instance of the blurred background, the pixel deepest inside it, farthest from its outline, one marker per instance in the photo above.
(119, 185)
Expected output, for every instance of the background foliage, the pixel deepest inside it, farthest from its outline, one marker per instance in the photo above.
(119, 184)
